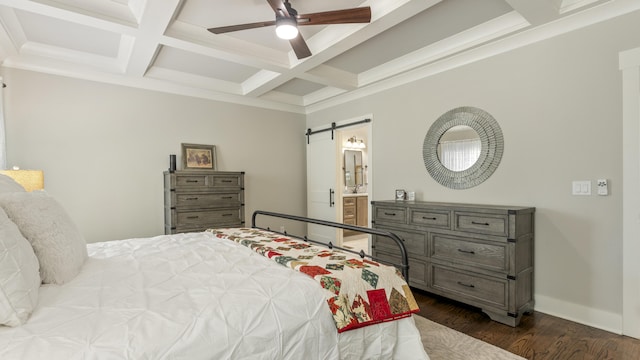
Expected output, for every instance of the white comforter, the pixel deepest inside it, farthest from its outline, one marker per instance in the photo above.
(193, 296)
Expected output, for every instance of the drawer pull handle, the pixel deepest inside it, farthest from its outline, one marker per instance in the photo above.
(191, 198)
(227, 214)
(193, 217)
(192, 181)
(226, 181)
(467, 251)
(428, 218)
(466, 285)
(390, 214)
(227, 197)
(479, 223)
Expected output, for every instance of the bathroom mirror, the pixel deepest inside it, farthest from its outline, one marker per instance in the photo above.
(353, 169)
(479, 164)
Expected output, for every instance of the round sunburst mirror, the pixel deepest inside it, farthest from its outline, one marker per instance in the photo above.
(463, 147)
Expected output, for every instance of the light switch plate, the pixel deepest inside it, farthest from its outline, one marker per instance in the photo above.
(581, 187)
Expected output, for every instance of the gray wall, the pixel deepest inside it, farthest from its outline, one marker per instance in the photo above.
(559, 105)
(103, 149)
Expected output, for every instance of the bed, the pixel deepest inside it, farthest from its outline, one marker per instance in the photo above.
(183, 296)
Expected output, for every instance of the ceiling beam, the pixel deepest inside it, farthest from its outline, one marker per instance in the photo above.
(155, 20)
(536, 12)
(11, 35)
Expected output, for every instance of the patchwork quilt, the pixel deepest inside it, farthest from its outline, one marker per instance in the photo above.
(359, 292)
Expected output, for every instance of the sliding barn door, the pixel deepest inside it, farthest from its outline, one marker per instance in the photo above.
(321, 185)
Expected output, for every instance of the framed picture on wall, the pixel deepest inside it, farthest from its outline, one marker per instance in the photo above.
(198, 157)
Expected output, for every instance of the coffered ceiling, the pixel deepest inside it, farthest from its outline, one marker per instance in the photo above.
(164, 45)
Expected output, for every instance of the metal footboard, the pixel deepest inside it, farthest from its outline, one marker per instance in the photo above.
(403, 266)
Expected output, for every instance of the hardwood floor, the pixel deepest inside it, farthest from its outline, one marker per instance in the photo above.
(538, 337)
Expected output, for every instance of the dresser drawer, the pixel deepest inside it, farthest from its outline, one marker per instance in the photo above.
(191, 180)
(414, 243)
(430, 218)
(207, 199)
(208, 217)
(481, 223)
(220, 180)
(459, 250)
(389, 214)
(417, 269)
(485, 290)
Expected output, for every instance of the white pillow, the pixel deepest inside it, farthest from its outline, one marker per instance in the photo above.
(57, 243)
(7, 184)
(19, 277)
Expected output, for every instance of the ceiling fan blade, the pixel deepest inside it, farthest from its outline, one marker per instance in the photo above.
(346, 16)
(300, 47)
(226, 29)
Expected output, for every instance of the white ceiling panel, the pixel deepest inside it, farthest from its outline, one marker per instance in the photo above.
(55, 32)
(188, 62)
(114, 9)
(299, 87)
(423, 29)
(165, 44)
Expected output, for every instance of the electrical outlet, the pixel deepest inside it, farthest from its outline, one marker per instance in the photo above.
(282, 228)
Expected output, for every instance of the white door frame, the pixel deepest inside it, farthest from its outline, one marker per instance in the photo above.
(630, 65)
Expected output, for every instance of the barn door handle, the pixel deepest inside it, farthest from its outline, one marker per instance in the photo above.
(331, 200)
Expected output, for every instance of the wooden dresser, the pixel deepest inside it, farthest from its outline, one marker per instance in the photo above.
(481, 255)
(355, 211)
(200, 200)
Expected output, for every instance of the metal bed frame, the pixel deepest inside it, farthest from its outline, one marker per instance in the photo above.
(404, 261)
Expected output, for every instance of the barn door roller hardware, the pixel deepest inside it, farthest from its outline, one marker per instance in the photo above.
(334, 127)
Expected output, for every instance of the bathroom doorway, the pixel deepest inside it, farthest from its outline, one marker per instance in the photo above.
(354, 169)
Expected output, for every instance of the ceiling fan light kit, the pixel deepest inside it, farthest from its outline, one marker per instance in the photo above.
(286, 27)
(288, 20)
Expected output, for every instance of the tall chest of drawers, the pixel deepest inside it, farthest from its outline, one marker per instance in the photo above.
(200, 200)
(481, 255)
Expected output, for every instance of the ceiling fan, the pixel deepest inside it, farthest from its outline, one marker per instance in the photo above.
(287, 22)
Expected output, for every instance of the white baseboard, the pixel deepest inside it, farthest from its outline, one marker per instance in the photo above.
(600, 319)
